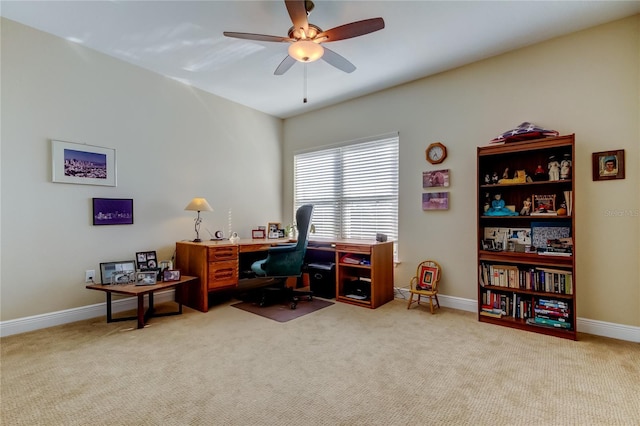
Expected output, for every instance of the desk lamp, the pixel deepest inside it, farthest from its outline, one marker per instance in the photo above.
(198, 205)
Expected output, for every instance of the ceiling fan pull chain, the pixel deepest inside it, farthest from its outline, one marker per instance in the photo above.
(304, 88)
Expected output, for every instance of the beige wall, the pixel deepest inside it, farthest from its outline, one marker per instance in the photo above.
(172, 143)
(587, 83)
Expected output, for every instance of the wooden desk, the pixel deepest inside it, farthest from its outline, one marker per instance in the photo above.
(140, 291)
(219, 265)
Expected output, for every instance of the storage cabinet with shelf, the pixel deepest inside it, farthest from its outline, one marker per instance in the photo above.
(364, 274)
(526, 263)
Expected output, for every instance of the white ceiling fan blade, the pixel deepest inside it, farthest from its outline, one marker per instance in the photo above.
(284, 65)
(258, 37)
(338, 61)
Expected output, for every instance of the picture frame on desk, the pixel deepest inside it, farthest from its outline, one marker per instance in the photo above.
(114, 272)
(273, 230)
(258, 234)
(146, 277)
(147, 260)
(608, 165)
(171, 275)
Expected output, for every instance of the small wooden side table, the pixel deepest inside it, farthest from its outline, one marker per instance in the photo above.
(140, 291)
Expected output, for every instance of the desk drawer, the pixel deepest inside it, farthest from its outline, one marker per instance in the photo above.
(216, 254)
(354, 248)
(222, 274)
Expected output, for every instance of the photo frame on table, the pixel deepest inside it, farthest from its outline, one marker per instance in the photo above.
(171, 275)
(435, 178)
(273, 230)
(121, 272)
(82, 164)
(426, 279)
(112, 211)
(435, 201)
(258, 234)
(608, 165)
(146, 278)
(147, 260)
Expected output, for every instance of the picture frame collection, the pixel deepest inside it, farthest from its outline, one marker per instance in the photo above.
(435, 179)
(143, 270)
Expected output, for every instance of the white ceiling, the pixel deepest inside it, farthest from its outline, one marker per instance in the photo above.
(183, 40)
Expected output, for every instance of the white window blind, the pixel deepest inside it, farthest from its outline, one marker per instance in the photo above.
(354, 189)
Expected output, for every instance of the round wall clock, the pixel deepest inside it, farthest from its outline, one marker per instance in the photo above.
(436, 153)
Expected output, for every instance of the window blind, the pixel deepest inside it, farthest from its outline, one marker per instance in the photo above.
(354, 189)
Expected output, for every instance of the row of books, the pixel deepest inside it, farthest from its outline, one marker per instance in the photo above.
(498, 305)
(545, 312)
(537, 279)
(553, 313)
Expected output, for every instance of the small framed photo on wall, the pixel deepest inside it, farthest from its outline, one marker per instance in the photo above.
(608, 165)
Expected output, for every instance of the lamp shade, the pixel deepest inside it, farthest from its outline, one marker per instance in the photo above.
(306, 51)
(199, 205)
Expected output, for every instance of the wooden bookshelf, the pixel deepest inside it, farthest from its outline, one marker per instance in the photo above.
(525, 299)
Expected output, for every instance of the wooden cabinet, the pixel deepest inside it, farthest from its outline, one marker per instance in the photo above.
(364, 273)
(214, 262)
(526, 263)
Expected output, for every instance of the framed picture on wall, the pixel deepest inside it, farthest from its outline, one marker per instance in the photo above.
(82, 164)
(435, 201)
(112, 211)
(435, 178)
(608, 165)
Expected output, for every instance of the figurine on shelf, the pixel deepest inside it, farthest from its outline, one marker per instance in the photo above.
(505, 174)
(498, 208)
(495, 178)
(562, 211)
(526, 207)
(565, 167)
(539, 174)
(487, 179)
(487, 203)
(554, 168)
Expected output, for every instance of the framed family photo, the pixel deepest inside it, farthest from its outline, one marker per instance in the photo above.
(147, 260)
(82, 164)
(608, 165)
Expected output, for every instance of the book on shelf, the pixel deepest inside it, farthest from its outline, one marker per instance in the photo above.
(491, 314)
(548, 323)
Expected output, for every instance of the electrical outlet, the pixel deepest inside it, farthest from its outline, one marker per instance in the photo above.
(89, 274)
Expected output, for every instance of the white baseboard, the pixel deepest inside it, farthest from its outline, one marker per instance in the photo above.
(37, 322)
(585, 325)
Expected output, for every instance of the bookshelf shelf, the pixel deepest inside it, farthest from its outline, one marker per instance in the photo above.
(526, 279)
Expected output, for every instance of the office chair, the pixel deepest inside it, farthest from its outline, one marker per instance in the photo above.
(284, 261)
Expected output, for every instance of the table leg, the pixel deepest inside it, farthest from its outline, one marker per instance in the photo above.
(109, 317)
(141, 311)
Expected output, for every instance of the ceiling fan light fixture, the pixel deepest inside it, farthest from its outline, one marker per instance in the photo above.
(306, 51)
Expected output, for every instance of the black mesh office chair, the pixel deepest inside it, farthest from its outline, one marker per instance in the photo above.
(285, 261)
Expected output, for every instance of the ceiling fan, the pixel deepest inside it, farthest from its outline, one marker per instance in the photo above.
(306, 39)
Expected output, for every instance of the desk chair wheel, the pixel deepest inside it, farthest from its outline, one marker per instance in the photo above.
(293, 305)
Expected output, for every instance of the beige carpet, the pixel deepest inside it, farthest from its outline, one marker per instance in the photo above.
(341, 365)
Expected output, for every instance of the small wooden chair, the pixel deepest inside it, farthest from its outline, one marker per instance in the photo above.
(425, 283)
